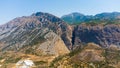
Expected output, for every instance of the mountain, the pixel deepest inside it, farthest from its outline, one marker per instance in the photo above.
(29, 30)
(76, 18)
(38, 35)
(108, 16)
(48, 42)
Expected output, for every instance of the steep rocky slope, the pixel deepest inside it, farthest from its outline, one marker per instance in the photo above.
(30, 30)
(104, 35)
(53, 45)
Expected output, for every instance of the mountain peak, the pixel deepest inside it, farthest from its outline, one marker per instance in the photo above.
(38, 14)
(76, 13)
(42, 14)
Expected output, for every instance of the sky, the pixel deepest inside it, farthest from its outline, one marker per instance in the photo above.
(10, 9)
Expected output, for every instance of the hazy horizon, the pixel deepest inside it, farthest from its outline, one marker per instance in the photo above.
(17, 8)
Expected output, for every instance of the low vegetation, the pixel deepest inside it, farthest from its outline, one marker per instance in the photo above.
(82, 58)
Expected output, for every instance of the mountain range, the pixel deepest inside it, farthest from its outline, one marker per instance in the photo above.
(74, 18)
(68, 42)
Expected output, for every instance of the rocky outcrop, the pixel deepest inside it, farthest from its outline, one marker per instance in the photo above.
(25, 64)
(104, 35)
(53, 45)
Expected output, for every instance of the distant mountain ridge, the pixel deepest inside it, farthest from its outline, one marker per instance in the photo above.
(80, 18)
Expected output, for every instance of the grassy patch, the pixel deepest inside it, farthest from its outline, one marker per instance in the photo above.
(12, 60)
(40, 62)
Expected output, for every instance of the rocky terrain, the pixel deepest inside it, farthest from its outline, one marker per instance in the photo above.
(49, 42)
(31, 30)
(104, 35)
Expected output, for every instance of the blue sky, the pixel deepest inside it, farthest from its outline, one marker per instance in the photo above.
(10, 9)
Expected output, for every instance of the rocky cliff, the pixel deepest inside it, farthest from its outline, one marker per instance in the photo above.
(104, 35)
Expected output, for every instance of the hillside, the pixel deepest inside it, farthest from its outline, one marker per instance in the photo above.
(89, 56)
(29, 30)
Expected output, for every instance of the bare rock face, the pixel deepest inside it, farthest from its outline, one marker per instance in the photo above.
(104, 35)
(25, 64)
(53, 45)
